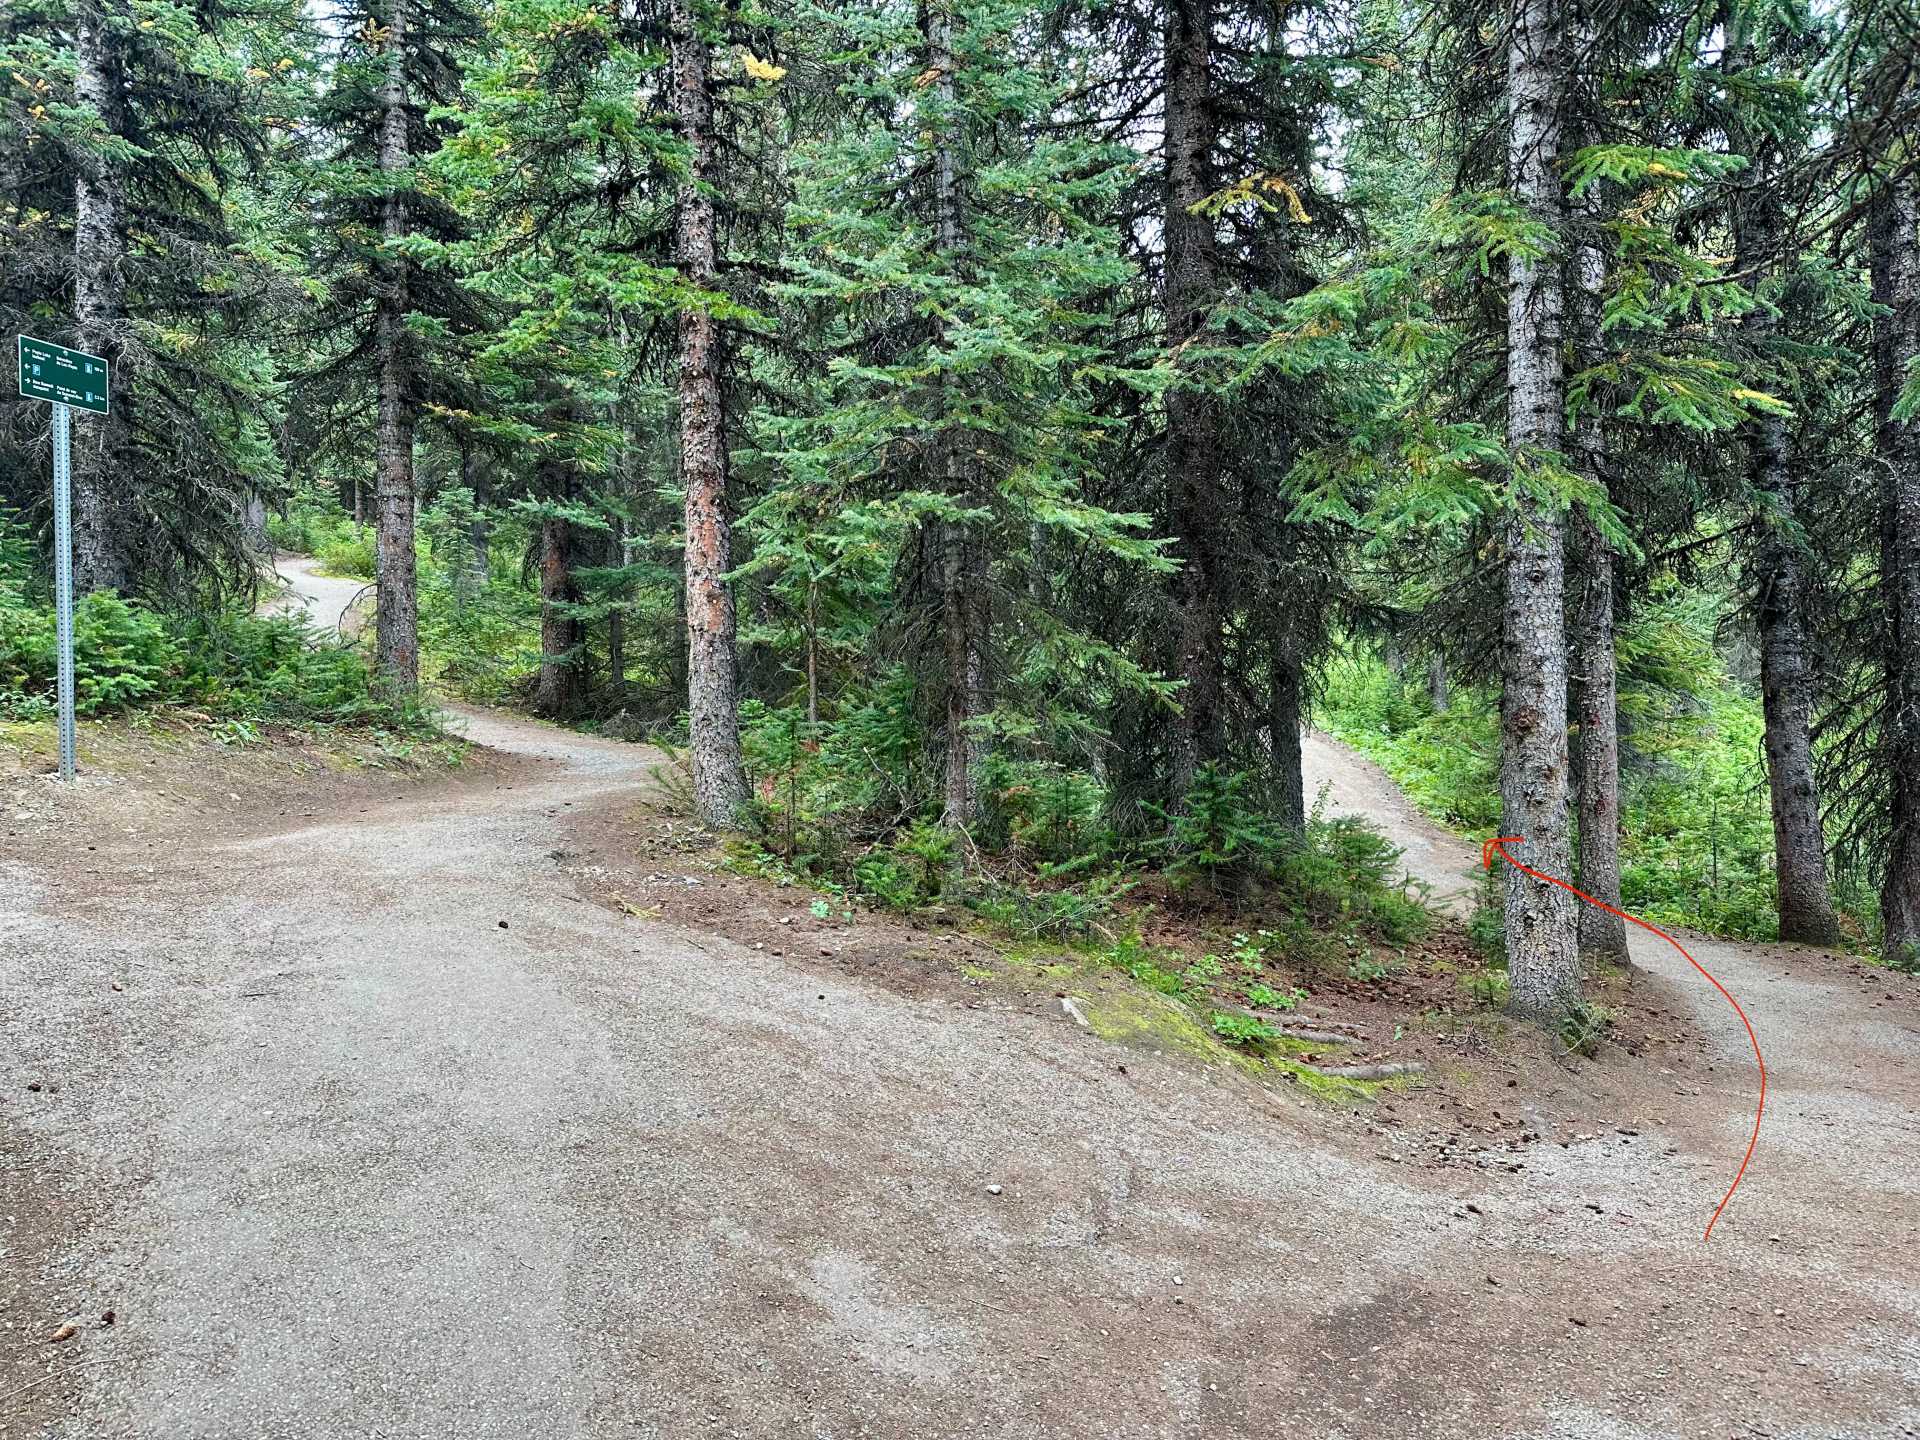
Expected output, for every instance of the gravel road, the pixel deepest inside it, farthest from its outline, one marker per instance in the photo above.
(370, 1126)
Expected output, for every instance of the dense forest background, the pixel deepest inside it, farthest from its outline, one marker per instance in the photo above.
(982, 432)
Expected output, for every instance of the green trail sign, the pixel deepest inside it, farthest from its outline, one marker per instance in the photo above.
(66, 377)
(71, 379)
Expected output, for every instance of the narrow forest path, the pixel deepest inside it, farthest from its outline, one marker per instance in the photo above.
(1840, 1041)
(364, 1123)
(326, 599)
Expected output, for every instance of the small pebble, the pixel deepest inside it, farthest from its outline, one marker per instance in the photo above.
(991, 1189)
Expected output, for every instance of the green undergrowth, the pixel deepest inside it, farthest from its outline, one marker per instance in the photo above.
(1044, 875)
(242, 669)
(479, 625)
(1122, 1009)
(330, 535)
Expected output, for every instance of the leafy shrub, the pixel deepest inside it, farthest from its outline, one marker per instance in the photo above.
(1220, 838)
(1265, 997)
(350, 553)
(1365, 968)
(1697, 835)
(327, 533)
(1050, 813)
(1347, 869)
(122, 655)
(1137, 958)
(479, 639)
(248, 667)
(1583, 1026)
(1238, 1029)
(1488, 987)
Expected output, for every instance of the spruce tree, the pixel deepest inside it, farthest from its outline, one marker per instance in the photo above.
(964, 256)
(126, 136)
(395, 308)
(1766, 124)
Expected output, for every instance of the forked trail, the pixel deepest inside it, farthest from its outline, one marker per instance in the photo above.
(387, 1132)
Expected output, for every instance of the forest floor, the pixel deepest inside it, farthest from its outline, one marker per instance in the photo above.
(373, 1096)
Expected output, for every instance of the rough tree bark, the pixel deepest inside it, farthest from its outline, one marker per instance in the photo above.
(1786, 678)
(1286, 784)
(1900, 567)
(1196, 494)
(719, 776)
(617, 623)
(1595, 672)
(561, 690)
(102, 512)
(1543, 963)
(396, 612)
(962, 647)
(1438, 695)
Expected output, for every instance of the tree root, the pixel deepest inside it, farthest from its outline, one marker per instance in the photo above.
(1387, 1071)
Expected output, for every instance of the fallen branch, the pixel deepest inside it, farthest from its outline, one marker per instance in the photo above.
(50, 1375)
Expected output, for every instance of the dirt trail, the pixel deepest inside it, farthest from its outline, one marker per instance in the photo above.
(385, 1132)
(1348, 783)
(326, 599)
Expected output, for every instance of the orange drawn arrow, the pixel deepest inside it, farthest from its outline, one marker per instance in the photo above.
(1497, 845)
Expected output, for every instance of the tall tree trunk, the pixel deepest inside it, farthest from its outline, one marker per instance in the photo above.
(1196, 492)
(561, 690)
(1786, 697)
(619, 541)
(617, 622)
(1286, 783)
(102, 483)
(1543, 963)
(1437, 693)
(1596, 708)
(396, 613)
(957, 563)
(1900, 569)
(1786, 678)
(719, 775)
(1601, 934)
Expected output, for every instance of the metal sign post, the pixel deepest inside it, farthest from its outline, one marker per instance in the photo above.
(63, 576)
(67, 378)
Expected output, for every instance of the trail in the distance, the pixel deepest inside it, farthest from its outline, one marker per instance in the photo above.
(1500, 842)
